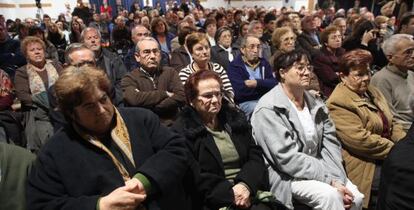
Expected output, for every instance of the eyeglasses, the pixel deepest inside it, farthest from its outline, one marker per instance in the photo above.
(142, 34)
(301, 68)
(361, 74)
(210, 95)
(148, 52)
(84, 63)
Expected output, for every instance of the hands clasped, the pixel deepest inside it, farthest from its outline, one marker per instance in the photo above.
(126, 197)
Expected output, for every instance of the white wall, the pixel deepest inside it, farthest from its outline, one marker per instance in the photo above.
(57, 7)
(251, 3)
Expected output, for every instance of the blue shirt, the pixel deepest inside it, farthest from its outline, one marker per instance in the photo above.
(254, 73)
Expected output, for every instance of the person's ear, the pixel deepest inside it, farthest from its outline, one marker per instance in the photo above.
(137, 57)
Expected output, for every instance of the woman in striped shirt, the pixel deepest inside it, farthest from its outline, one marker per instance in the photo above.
(198, 46)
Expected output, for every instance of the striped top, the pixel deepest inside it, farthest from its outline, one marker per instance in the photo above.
(188, 70)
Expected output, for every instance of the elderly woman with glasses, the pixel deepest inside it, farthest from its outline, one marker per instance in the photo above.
(199, 48)
(299, 141)
(363, 121)
(228, 166)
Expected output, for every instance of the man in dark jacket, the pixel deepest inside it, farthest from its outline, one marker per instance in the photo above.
(137, 34)
(106, 158)
(250, 76)
(153, 86)
(106, 60)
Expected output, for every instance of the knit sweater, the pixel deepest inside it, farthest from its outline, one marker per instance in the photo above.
(189, 69)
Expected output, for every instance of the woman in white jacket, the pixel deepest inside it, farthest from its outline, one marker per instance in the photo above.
(299, 142)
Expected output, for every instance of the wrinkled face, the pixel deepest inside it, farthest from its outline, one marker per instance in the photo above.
(252, 49)
(287, 42)
(404, 55)
(92, 40)
(35, 53)
(148, 55)
(257, 30)
(82, 57)
(358, 79)
(95, 113)
(208, 100)
(298, 75)
(139, 33)
(225, 39)
(211, 29)
(334, 40)
(201, 52)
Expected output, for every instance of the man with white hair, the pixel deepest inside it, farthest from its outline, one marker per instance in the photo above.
(394, 79)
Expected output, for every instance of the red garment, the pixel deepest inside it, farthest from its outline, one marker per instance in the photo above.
(108, 10)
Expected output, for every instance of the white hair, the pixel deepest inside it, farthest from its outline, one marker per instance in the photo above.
(390, 45)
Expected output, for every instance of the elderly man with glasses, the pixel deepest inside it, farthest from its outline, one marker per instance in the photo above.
(137, 34)
(153, 86)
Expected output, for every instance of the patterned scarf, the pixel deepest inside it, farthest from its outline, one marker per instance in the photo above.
(36, 83)
(121, 138)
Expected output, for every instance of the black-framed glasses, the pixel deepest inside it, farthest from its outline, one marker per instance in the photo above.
(84, 63)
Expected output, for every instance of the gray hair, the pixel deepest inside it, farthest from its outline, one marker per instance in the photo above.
(74, 47)
(244, 40)
(252, 24)
(148, 38)
(84, 31)
(390, 45)
(139, 26)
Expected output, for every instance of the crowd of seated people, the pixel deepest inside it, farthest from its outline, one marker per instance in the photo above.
(186, 107)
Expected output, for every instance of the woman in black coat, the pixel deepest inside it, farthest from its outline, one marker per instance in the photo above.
(227, 165)
(225, 51)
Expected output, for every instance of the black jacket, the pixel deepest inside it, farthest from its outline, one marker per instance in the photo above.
(70, 173)
(396, 186)
(115, 70)
(220, 56)
(214, 190)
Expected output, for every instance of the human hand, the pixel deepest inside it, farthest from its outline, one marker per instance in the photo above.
(251, 83)
(368, 36)
(121, 198)
(347, 195)
(241, 196)
(136, 186)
